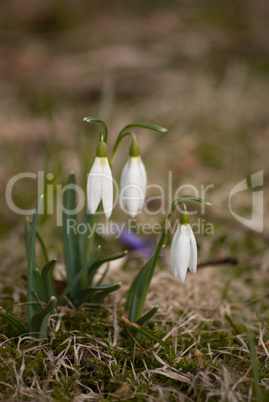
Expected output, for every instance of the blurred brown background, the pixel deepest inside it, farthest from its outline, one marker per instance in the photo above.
(199, 69)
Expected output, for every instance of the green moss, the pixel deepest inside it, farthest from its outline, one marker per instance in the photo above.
(105, 368)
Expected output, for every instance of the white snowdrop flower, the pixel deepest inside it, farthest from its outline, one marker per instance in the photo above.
(133, 183)
(183, 249)
(100, 182)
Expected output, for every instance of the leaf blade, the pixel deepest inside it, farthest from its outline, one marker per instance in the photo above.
(32, 306)
(48, 280)
(39, 322)
(16, 323)
(78, 276)
(70, 237)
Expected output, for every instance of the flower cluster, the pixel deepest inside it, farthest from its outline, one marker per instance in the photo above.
(132, 196)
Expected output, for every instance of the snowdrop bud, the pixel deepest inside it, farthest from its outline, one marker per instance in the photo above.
(133, 182)
(100, 182)
(183, 249)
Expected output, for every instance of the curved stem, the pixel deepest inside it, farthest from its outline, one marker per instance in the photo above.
(144, 125)
(100, 123)
(123, 133)
(180, 200)
(140, 286)
(167, 223)
(117, 143)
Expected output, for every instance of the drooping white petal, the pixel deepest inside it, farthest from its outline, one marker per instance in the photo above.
(124, 180)
(143, 178)
(94, 185)
(183, 251)
(107, 188)
(133, 185)
(172, 253)
(193, 256)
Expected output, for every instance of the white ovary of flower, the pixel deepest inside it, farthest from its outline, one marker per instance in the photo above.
(183, 252)
(133, 186)
(100, 186)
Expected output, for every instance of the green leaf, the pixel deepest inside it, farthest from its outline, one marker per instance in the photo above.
(144, 320)
(255, 367)
(48, 280)
(26, 236)
(39, 322)
(85, 241)
(43, 247)
(149, 334)
(98, 264)
(89, 294)
(147, 317)
(32, 307)
(139, 288)
(70, 237)
(17, 324)
(40, 293)
(99, 297)
(39, 238)
(78, 277)
(103, 276)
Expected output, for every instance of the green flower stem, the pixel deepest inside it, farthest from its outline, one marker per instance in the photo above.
(140, 286)
(100, 123)
(124, 132)
(117, 143)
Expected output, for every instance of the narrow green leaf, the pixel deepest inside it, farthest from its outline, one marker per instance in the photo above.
(42, 244)
(89, 294)
(130, 293)
(140, 289)
(147, 333)
(85, 240)
(144, 320)
(26, 236)
(39, 322)
(17, 324)
(103, 275)
(70, 235)
(32, 306)
(78, 277)
(255, 367)
(99, 297)
(147, 317)
(40, 291)
(98, 264)
(48, 280)
(43, 247)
